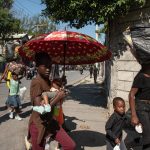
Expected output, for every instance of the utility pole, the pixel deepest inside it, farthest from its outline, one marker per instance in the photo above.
(97, 38)
(96, 31)
(100, 65)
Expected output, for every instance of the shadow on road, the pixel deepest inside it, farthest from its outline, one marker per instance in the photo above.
(24, 105)
(2, 108)
(69, 122)
(26, 114)
(90, 94)
(88, 138)
(4, 118)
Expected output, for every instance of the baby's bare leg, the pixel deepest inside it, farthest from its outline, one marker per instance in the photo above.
(45, 99)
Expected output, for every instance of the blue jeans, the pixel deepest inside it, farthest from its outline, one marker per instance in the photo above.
(14, 100)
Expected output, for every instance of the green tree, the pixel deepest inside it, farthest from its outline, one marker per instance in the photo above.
(79, 13)
(8, 23)
(6, 3)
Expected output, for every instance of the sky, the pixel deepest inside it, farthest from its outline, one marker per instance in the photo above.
(34, 7)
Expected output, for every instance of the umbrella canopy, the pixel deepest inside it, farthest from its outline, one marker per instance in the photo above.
(66, 47)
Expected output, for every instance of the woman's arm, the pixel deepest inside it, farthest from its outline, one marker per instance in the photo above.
(4, 74)
(134, 118)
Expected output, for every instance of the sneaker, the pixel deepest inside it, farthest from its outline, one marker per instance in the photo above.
(27, 144)
(17, 117)
(11, 115)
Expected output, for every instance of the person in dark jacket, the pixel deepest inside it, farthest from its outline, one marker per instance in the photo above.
(115, 125)
(95, 73)
(139, 100)
(91, 71)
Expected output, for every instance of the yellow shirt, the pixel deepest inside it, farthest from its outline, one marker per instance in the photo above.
(9, 76)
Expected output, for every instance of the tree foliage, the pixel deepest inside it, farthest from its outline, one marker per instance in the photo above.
(8, 23)
(6, 4)
(79, 13)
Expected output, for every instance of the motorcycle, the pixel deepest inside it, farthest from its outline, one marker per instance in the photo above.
(29, 74)
(81, 71)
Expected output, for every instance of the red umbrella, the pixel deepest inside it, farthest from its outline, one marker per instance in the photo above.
(66, 47)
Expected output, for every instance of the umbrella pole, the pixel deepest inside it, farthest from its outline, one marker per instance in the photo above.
(64, 58)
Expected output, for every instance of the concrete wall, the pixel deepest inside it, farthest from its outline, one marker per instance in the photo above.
(123, 67)
(127, 68)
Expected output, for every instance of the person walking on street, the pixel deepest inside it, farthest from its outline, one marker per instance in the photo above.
(81, 70)
(115, 125)
(64, 80)
(91, 71)
(95, 73)
(42, 126)
(139, 100)
(13, 98)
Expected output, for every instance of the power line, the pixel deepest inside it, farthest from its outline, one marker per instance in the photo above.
(24, 7)
(23, 10)
(33, 2)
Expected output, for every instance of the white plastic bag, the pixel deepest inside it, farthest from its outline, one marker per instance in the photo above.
(138, 128)
(117, 147)
(22, 92)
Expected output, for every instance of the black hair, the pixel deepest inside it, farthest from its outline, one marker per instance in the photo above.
(40, 58)
(13, 73)
(11, 59)
(116, 99)
(58, 82)
(146, 68)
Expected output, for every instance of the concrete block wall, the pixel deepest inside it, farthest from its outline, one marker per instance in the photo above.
(127, 68)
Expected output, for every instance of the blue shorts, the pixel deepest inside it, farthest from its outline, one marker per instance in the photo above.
(14, 100)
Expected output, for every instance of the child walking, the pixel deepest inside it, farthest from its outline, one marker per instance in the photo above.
(13, 98)
(115, 125)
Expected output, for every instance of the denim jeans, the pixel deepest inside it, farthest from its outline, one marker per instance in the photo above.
(13, 100)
